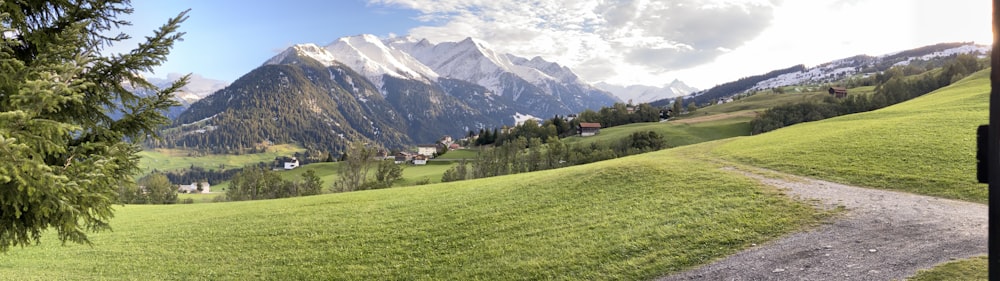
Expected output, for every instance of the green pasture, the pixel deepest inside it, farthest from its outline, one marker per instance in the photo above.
(631, 218)
(675, 134)
(164, 159)
(411, 173)
(458, 154)
(926, 145)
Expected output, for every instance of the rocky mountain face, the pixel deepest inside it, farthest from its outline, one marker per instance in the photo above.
(396, 93)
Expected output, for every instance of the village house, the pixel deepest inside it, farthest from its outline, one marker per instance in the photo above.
(292, 164)
(193, 188)
(427, 149)
(838, 92)
(420, 160)
(402, 157)
(589, 129)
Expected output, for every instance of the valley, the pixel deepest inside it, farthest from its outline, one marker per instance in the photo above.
(596, 221)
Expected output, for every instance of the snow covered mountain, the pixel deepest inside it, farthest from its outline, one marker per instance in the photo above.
(644, 93)
(396, 92)
(864, 64)
(536, 86)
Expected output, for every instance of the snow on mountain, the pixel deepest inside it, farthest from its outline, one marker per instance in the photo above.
(965, 49)
(520, 118)
(198, 86)
(644, 93)
(469, 60)
(369, 56)
(309, 50)
(863, 64)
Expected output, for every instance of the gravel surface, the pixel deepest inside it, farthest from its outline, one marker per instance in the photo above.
(884, 235)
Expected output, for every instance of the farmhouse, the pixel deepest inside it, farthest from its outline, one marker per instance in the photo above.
(589, 129)
(420, 160)
(292, 164)
(193, 188)
(403, 157)
(427, 149)
(838, 92)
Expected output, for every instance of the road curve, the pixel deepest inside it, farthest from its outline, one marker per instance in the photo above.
(884, 235)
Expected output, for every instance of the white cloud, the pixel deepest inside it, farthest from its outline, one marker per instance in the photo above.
(701, 42)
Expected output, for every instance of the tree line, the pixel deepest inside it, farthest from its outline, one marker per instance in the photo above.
(256, 183)
(532, 154)
(559, 127)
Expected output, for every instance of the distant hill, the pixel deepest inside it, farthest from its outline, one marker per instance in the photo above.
(837, 70)
(395, 93)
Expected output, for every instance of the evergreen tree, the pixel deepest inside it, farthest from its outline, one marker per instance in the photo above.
(64, 156)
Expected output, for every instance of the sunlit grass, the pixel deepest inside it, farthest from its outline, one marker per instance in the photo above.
(926, 145)
(625, 219)
(971, 269)
(163, 159)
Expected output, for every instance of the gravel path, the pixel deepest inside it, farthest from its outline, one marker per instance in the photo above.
(884, 235)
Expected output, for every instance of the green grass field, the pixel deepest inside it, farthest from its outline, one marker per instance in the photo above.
(625, 219)
(459, 154)
(926, 145)
(675, 134)
(174, 159)
(411, 173)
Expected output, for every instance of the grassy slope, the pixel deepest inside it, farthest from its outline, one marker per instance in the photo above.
(926, 145)
(411, 173)
(631, 218)
(459, 154)
(676, 134)
(967, 269)
(175, 159)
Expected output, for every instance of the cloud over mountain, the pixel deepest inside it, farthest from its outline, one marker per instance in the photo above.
(601, 40)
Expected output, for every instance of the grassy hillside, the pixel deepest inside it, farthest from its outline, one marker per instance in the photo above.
(411, 173)
(174, 159)
(767, 99)
(631, 218)
(675, 133)
(926, 145)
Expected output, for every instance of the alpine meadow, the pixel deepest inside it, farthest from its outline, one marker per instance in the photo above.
(429, 140)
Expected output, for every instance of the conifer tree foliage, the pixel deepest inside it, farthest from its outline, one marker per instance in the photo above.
(62, 157)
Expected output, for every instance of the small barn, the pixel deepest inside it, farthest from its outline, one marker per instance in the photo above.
(589, 129)
(838, 92)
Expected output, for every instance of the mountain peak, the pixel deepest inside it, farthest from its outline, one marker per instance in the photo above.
(371, 57)
(309, 50)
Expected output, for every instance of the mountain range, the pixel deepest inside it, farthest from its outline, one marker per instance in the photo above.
(395, 92)
(645, 93)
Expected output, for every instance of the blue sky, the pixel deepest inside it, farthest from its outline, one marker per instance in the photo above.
(652, 42)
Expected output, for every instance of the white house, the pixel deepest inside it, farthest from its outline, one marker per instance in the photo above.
(292, 164)
(427, 149)
(193, 188)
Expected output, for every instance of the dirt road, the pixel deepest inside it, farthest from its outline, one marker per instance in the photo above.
(883, 235)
